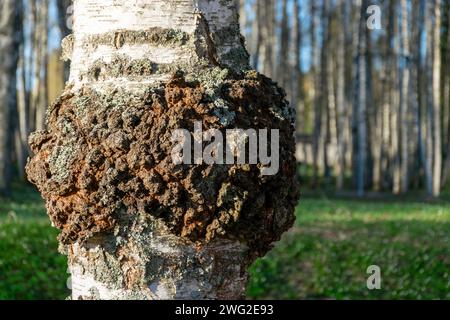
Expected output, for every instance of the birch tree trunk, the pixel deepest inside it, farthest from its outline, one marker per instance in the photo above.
(370, 113)
(268, 35)
(446, 96)
(350, 49)
(298, 96)
(256, 34)
(9, 44)
(134, 224)
(41, 99)
(332, 114)
(341, 99)
(318, 163)
(63, 6)
(415, 89)
(437, 148)
(37, 65)
(404, 101)
(429, 135)
(422, 97)
(31, 63)
(361, 104)
(283, 71)
(22, 130)
(323, 128)
(394, 153)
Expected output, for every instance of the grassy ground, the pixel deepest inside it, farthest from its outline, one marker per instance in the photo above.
(30, 267)
(325, 256)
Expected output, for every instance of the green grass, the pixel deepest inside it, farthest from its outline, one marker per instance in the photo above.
(325, 255)
(30, 266)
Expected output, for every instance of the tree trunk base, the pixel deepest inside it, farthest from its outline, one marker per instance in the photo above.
(157, 268)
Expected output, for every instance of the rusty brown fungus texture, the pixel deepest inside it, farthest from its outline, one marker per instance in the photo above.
(107, 156)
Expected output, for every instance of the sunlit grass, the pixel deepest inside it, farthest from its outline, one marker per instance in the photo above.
(326, 254)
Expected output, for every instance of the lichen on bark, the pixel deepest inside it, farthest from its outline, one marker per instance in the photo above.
(151, 36)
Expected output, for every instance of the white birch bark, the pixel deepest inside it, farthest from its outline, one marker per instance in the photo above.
(361, 105)
(317, 150)
(297, 85)
(429, 138)
(437, 148)
(404, 101)
(341, 106)
(268, 37)
(110, 17)
(42, 72)
(395, 108)
(283, 61)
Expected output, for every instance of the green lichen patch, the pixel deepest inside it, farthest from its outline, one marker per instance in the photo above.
(153, 36)
(120, 66)
(211, 79)
(67, 47)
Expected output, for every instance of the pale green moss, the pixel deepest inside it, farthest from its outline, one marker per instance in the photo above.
(154, 36)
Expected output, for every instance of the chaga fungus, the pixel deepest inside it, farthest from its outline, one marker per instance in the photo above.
(108, 154)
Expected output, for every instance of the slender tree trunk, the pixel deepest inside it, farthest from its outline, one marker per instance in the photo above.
(315, 98)
(42, 84)
(394, 153)
(283, 71)
(22, 113)
(332, 114)
(9, 53)
(63, 6)
(429, 136)
(257, 34)
(446, 95)
(268, 38)
(361, 104)
(37, 66)
(298, 96)
(323, 129)
(436, 96)
(31, 64)
(415, 157)
(422, 96)
(444, 61)
(370, 109)
(378, 147)
(350, 29)
(328, 102)
(135, 224)
(341, 99)
(21, 133)
(387, 101)
(404, 101)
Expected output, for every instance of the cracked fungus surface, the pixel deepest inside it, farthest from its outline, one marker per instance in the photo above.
(109, 154)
